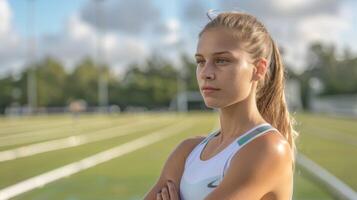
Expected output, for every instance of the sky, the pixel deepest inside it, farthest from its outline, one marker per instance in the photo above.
(132, 30)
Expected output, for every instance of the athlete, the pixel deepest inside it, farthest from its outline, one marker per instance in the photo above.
(252, 155)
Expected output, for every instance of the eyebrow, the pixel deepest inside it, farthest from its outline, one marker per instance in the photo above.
(215, 53)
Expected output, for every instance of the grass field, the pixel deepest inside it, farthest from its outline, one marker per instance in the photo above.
(330, 142)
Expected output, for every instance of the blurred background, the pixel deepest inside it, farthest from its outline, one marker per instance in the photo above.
(95, 94)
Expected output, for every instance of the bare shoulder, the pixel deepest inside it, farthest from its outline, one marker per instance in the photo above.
(187, 145)
(183, 149)
(268, 160)
(265, 162)
(269, 151)
(174, 165)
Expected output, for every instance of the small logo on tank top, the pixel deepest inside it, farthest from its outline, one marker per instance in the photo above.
(213, 184)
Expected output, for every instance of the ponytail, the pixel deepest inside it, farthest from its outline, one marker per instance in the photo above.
(271, 101)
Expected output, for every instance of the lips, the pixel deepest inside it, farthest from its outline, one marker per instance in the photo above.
(209, 88)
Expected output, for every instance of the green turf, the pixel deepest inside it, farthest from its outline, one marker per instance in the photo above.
(305, 189)
(343, 126)
(128, 177)
(132, 175)
(74, 128)
(338, 158)
(24, 126)
(12, 171)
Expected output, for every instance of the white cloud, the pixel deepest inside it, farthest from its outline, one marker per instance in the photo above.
(130, 36)
(77, 40)
(131, 16)
(12, 50)
(172, 36)
(301, 7)
(78, 29)
(322, 28)
(82, 39)
(5, 17)
(291, 5)
(295, 24)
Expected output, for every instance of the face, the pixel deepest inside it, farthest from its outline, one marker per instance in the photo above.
(223, 65)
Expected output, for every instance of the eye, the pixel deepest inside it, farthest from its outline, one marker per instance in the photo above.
(200, 62)
(222, 61)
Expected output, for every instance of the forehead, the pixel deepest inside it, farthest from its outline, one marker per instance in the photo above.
(218, 40)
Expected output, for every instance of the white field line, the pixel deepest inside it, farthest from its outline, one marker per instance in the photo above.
(20, 130)
(337, 188)
(74, 141)
(91, 161)
(42, 135)
(35, 126)
(31, 120)
(6, 140)
(11, 123)
(23, 129)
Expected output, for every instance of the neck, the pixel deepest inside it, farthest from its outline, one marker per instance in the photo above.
(238, 118)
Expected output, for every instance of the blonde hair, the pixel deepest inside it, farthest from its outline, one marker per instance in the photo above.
(270, 96)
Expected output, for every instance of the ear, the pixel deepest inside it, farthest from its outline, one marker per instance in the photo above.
(260, 69)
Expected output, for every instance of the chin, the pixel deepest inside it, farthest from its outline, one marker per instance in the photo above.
(212, 104)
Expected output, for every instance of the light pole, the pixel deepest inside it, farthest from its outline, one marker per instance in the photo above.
(182, 103)
(31, 77)
(102, 81)
(181, 89)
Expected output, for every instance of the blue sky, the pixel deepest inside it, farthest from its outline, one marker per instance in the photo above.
(50, 15)
(65, 29)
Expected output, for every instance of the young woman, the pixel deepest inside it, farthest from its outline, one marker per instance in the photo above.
(251, 156)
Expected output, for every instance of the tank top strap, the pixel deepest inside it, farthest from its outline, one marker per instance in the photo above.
(210, 136)
(246, 138)
(196, 151)
(254, 133)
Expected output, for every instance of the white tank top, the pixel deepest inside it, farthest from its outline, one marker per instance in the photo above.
(200, 177)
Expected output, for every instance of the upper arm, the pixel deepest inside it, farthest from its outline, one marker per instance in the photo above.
(174, 166)
(256, 171)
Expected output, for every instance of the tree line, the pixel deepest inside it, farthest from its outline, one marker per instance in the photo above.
(154, 83)
(151, 85)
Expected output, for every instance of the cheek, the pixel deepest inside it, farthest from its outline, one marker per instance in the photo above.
(240, 80)
(198, 75)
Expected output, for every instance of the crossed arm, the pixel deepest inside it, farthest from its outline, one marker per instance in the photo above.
(256, 171)
(250, 176)
(172, 171)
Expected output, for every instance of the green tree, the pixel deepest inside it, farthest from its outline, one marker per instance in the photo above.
(153, 85)
(6, 94)
(83, 81)
(338, 75)
(50, 80)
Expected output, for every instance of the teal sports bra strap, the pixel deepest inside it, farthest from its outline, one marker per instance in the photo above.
(245, 139)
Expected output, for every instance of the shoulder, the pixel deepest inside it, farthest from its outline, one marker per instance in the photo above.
(267, 158)
(175, 162)
(184, 148)
(174, 165)
(257, 168)
(188, 144)
(267, 153)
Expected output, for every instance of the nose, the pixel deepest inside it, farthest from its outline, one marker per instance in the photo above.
(207, 72)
